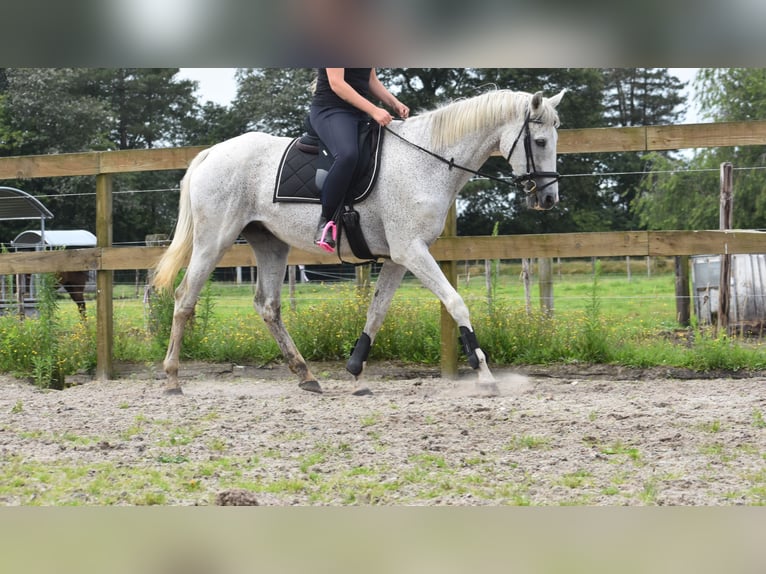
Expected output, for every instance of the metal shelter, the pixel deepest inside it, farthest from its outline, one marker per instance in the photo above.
(18, 205)
(40, 239)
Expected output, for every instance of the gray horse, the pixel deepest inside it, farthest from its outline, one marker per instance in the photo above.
(427, 159)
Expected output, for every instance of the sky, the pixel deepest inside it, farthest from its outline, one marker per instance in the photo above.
(687, 75)
(215, 84)
(218, 85)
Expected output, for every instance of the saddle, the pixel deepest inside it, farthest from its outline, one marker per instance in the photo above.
(306, 161)
(303, 169)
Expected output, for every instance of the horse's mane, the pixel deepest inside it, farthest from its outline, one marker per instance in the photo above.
(452, 121)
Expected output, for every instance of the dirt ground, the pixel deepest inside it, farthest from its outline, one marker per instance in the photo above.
(246, 435)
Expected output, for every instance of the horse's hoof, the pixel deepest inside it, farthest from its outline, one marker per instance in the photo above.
(362, 392)
(174, 391)
(311, 386)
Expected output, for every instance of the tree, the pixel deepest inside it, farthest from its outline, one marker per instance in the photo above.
(424, 88)
(581, 207)
(641, 96)
(57, 110)
(737, 94)
(147, 106)
(212, 124)
(672, 195)
(274, 100)
(731, 94)
(46, 111)
(635, 97)
(690, 200)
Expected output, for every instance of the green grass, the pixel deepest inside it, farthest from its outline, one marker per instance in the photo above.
(322, 475)
(577, 479)
(618, 448)
(601, 318)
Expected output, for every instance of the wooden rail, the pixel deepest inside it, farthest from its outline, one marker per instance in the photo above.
(662, 138)
(607, 244)
(588, 140)
(97, 162)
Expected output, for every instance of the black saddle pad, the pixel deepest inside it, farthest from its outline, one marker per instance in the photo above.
(297, 170)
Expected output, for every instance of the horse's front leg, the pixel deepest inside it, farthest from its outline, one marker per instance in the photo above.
(417, 258)
(388, 280)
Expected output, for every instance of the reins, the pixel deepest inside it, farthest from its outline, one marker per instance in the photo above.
(517, 181)
(525, 182)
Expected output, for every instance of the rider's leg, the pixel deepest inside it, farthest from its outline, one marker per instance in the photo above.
(338, 130)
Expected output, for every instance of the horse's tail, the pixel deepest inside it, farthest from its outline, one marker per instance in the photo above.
(178, 253)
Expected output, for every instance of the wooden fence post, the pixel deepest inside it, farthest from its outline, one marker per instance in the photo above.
(526, 280)
(449, 330)
(20, 288)
(683, 300)
(488, 282)
(545, 283)
(725, 222)
(104, 280)
(291, 286)
(362, 274)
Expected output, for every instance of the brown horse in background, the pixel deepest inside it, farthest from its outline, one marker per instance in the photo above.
(74, 283)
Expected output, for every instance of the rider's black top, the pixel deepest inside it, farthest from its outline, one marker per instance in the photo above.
(324, 97)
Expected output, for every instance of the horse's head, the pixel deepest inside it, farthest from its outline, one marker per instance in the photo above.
(530, 148)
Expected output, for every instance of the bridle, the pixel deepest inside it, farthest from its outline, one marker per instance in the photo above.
(529, 178)
(524, 182)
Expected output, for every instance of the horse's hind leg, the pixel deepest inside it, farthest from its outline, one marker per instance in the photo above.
(388, 280)
(201, 264)
(271, 256)
(77, 294)
(80, 302)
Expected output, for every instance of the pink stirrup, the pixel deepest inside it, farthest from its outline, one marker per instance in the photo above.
(323, 243)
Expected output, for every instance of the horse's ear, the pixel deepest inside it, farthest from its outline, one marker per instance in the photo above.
(537, 99)
(555, 100)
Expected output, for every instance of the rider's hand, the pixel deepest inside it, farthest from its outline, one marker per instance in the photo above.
(382, 117)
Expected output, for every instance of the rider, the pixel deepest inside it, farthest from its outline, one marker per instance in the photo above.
(339, 104)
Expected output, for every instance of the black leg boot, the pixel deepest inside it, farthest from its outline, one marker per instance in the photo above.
(320, 230)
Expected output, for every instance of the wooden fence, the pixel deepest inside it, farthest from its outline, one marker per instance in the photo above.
(105, 259)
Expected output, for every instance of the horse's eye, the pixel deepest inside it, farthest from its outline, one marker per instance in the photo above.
(541, 142)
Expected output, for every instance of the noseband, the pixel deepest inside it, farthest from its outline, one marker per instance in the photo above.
(527, 181)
